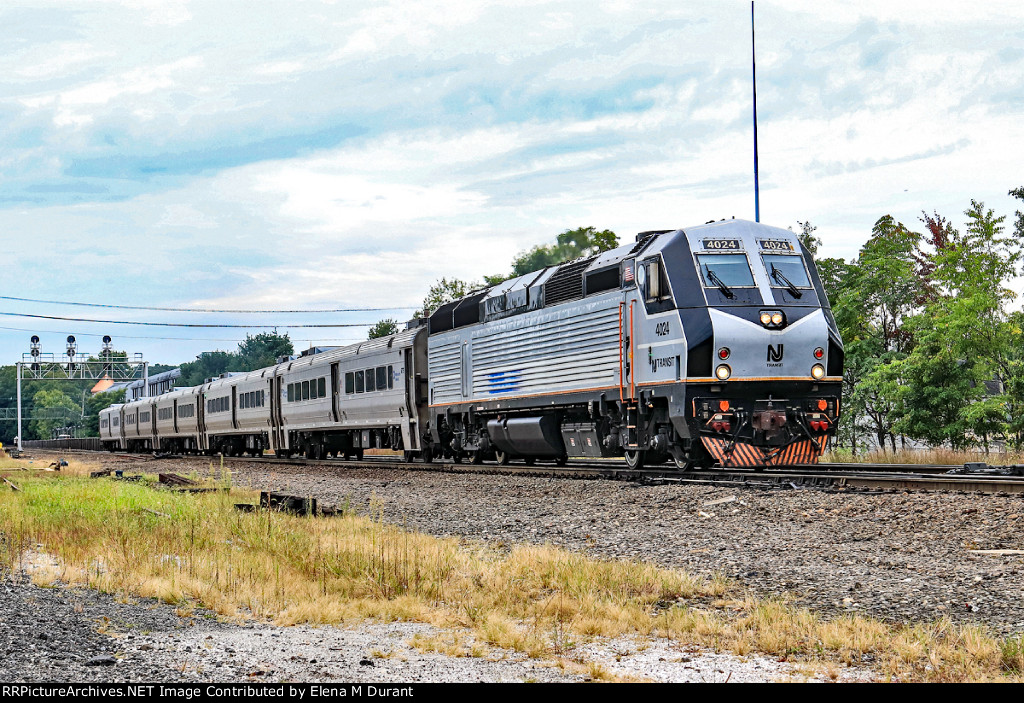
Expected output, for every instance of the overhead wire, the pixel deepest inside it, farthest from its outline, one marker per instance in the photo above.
(186, 324)
(203, 310)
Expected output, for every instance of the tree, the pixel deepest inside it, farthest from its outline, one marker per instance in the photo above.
(878, 297)
(384, 328)
(255, 352)
(807, 237)
(570, 244)
(445, 291)
(1018, 226)
(262, 350)
(53, 399)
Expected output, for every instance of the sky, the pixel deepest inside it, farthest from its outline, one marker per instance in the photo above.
(320, 155)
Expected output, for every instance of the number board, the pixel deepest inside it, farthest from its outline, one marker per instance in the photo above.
(775, 245)
(722, 244)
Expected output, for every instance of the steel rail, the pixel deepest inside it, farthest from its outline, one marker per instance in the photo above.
(839, 477)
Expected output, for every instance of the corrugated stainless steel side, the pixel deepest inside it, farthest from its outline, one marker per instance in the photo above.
(551, 351)
(444, 369)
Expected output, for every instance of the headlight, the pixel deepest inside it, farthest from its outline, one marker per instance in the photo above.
(766, 318)
(817, 371)
(723, 372)
(777, 318)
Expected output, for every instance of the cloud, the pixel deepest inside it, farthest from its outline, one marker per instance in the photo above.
(169, 152)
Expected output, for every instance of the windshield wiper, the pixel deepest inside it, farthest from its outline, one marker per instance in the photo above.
(713, 277)
(778, 276)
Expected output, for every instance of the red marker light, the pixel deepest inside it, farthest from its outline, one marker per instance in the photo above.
(819, 353)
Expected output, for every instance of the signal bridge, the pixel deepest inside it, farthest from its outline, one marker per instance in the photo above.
(73, 366)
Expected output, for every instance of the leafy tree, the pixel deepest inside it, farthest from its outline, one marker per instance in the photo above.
(445, 291)
(207, 365)
(807, 238)
(877, 298)
(570, 244)
(52, 399)
(384, 328)
(261, 350)
(1018, 226)
(255, 352)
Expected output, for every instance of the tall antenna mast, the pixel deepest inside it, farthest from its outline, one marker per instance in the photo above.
(753, 64)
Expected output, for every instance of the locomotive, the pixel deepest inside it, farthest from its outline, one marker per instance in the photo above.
(710, 345)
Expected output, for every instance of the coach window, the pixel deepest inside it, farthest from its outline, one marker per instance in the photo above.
(321, 387)
(382, 378)
(370, 377)
(391, 377)
(305, 390)
(359, 381)
(312, 390)
(350, 382)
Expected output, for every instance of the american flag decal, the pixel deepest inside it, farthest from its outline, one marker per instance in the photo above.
(627, 274)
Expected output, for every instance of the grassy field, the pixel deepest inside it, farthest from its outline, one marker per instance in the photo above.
(938, 456)
(197, 550)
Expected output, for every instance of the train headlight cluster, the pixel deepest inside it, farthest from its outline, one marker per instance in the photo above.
(817, 372)
(723, 372)
(773, 319)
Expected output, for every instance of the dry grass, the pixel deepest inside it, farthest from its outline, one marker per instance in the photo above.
(541, 601)
(939, 456)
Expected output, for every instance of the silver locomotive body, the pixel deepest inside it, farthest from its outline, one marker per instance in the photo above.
(656, 350)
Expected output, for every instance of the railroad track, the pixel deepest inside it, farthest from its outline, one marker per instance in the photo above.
(849, 477)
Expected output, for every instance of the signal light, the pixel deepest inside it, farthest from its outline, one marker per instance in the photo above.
(819, 353)
(71, 339)
(724, 353)
(35, 339)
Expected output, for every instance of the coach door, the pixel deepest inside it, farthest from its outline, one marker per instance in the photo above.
(335, 390)
(276, 433)
(201, 418)
(234, 407)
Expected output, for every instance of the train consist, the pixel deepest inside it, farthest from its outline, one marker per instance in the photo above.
(712, 345)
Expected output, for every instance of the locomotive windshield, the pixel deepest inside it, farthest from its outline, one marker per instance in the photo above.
(729, 270)
(786, 271)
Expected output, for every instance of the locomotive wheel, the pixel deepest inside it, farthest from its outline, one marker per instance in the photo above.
(501, 457)
(634, 459)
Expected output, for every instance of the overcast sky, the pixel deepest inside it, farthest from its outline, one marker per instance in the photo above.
(308, 154)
